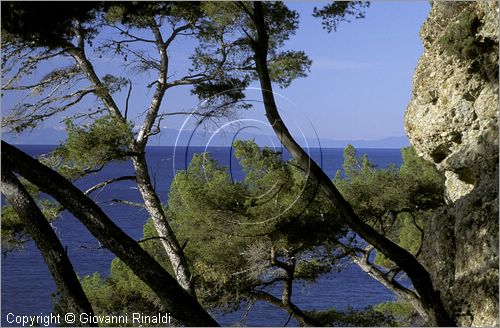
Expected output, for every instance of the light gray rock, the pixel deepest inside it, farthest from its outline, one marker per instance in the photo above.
(452, 121)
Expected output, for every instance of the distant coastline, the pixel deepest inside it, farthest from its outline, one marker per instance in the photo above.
(52, 136)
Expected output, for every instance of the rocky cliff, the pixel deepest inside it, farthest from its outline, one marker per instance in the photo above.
(452, 121)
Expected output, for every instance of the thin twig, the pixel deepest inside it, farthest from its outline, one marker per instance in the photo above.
(105, 183)
(128, 98)
(126, 202)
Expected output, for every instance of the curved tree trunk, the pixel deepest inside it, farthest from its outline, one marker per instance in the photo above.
(155, 209)
(46, 240)
(436, 313)
(183, 306)
(403, 293)
(286, 297)
(151, 201)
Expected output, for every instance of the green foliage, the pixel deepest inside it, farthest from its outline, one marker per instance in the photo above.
(229, 228)
(114, 83)
(462, 41)
(281, 23)
(403, 313)
(10, 221)
(288, 66)
(339, 11)
(91, 146)
(122, 291)
(13, 230)
(367, 317)
(222, 94)
(138, 14)
(396, 201)
(406, 234)
(311, 269)
(231, 22)
(284, 65)
(242, 221)
(424, 184)
(460, 37)
(372, 192)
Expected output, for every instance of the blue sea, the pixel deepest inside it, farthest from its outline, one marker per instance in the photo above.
(27, 285)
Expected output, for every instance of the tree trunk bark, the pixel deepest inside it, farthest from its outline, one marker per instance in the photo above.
(151, 200)
(46, 240)
(419, 276)
(155, 209)
(183, 306)
(402, 292)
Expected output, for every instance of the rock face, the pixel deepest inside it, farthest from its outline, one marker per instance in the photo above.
(452, 121)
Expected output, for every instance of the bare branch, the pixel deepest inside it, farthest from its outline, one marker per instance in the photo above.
(126, 202)
(188, 80)
(175, 33)
(275, 262)
(28, 63)
(134, 37)
(202, 77)
(151, 238)
(386, 279)
(63, 74)
(87, 67)
(128, 97)
(85, 115)
(143, 62)
(271, 282)
(161, 87)
(25, 115)
(107, 182)
(252, 40)
(211, 113)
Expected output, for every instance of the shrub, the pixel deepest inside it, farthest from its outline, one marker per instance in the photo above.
(462, 41)
(366, 317)
(402, 312)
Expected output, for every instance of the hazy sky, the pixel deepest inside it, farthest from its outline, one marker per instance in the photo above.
(359, 84)
(361, 78)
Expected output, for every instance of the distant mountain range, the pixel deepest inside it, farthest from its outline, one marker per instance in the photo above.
(168, 137)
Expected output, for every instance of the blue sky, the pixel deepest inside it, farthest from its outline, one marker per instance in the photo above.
(361, 78)
(358, 87)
